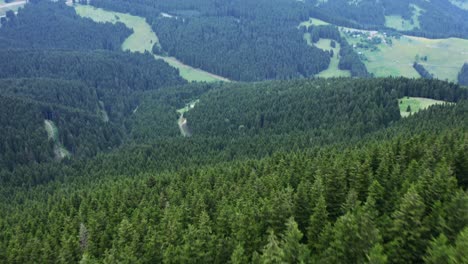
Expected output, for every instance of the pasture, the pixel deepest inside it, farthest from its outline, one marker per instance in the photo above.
(313, 22)
(416, 104)
(399, 23)
(333, 70)
(445, 57)
(394, 56)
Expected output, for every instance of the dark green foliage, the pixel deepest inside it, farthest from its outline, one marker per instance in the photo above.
(116, 77)
(463, 75)
(422, 71)
(240, 40)
(49, 25)
(374, 189)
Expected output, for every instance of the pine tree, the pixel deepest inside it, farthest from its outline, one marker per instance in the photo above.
(408, 242)
(461, 244)
(272, 253)
(439, 251)
(238, 256)
(294, 251)
(376, 255)
(318, 220)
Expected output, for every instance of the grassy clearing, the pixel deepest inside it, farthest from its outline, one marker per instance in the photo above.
(192, 74)
(333, 70)
(188, 107)
(445, 57)
(143, 39)
(416, 104)
(399, 23)
(463, 4)
(52, 133)
(395, 56)
(313, 22)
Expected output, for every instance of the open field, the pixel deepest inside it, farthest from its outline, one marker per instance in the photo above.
(395, 56)
(52, 132)
(143, 39)
(399, 23)
(313, 22)
(392, 56)
(416, 104)
(333, 70)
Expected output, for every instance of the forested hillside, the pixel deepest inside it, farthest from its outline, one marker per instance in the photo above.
(109, 156)
(348, 202)
(116, 77)
(244, 41)
(48, 25)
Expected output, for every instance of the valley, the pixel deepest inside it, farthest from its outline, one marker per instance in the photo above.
(143, 39)
(113, 152)
(394, 55)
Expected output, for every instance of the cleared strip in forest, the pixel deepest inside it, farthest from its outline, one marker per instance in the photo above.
(52, 133)
(143, 39)
(182, 122)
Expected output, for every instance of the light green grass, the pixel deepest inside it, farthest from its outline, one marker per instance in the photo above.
(397, 22)
(333, 70)
(463, 4)
(313, 22)
(192, 74)
(143, 39)
(445, 56)
(52, 133)
(3, 10)
(416, 103)
(188, 107)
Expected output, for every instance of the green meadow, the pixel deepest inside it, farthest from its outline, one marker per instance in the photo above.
(333, 70)
(445, 57)
(399, 23)
(143, 39)
(395, 56)
(313, 22)
(416, 104)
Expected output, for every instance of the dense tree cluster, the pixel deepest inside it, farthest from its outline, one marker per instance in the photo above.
(463, 75)
(49, 25)
(241, 40)
(397, 200)
(422, 71)
(115, 77)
